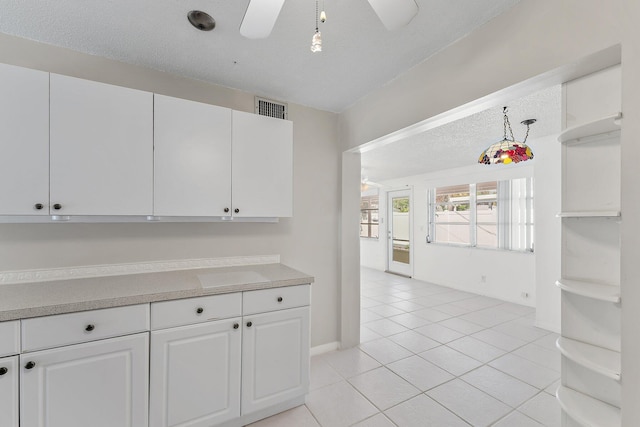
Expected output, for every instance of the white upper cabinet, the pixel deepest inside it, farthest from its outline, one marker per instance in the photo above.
(24, 141)
(192, 158)
(101, 149)
(262, 166)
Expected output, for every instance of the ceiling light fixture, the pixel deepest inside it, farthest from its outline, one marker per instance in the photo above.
(201, 20)
(316, 40)
(508, 150)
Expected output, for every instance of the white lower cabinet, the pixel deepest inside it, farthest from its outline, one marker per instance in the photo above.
(102, 383)
(195, 374)
(209, 372)
(222, 360)
(275, 358)
(9, 391)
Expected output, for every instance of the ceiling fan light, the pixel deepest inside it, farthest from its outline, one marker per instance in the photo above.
(394, 14)
(260, 18)
(316, 42)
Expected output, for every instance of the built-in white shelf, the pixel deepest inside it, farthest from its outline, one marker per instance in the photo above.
(586, 410)
(596, 127)
(589, 214)
(597, 291)
(601, 360)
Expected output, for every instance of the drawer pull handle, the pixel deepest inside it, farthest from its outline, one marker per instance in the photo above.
(90, 328)
(30, 365)
(236, 210)
(226, 210)
(3, 371)
(249, 324)
(39, 206)
(199, 310)
(236, 326)
(279, 299)
(57, 206)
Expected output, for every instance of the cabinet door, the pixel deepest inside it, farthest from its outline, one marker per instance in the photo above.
(98, 384)
(9, 391)
(275, 358)
(101, 148)
(192, 155)
(24, 141)
(262, 152)
(195, 374)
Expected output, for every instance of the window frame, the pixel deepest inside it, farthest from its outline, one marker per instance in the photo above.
(370, 212)
(504, 224)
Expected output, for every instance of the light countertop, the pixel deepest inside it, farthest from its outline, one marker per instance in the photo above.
(20, 301)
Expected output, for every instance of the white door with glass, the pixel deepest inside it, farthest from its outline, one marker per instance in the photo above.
(399, 232)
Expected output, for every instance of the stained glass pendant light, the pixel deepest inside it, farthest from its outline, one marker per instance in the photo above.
(508, 150)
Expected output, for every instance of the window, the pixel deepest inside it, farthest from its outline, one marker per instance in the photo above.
(369, 215)
(487, 214)
(494, 214)
(452, 215)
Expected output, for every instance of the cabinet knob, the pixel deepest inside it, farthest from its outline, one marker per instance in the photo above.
(57, 206)
(199, 310)
(279, 299)
(90, 328)
(226, 210)
(3, 371)
(30, 365)
(38, 206)
(236, 210)
(249, 324)
(236, 326)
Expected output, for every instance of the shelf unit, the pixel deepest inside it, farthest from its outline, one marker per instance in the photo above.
(598, 359)
(596, 291)
(590, 281)
(586, 410)
(589, 214)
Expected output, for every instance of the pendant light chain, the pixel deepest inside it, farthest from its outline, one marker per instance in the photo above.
(526, 135)
(507, 124)
(316, 16)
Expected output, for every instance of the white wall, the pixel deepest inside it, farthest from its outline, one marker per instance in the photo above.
(547, 188)
(309, 241)
(508, 274)
(542, 41)
(531, 39)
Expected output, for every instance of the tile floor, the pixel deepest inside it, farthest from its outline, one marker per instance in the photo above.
(433, 356)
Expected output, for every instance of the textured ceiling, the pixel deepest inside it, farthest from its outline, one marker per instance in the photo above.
(359, 54)
(460, 143)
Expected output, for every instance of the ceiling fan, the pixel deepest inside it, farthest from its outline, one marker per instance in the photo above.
(261, 15)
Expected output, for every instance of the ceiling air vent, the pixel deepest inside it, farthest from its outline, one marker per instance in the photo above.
(270, 108)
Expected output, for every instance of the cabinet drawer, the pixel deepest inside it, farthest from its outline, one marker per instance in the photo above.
(188, 311)
(275, 299)
(9, 338)
(64, 329)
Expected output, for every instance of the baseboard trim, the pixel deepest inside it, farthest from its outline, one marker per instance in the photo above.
(324, 348)
(547, 326)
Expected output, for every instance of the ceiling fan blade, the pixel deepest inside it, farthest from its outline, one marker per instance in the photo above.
(260, 18)
(394, 13)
